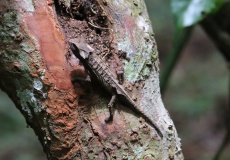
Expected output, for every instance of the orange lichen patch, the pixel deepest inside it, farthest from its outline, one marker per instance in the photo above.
(70, 99)
(43, 26)
(64, 118)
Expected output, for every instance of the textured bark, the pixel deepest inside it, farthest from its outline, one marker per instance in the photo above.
(36, 68)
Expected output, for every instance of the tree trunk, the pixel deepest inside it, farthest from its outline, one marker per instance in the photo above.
(37, 66)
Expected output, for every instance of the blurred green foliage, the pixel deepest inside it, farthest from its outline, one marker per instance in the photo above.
(197, 85)
(187, 13)
(190, 12)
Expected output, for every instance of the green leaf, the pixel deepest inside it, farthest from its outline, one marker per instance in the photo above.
(190, 12)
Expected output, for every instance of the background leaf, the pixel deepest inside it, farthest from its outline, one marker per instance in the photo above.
(190, 12)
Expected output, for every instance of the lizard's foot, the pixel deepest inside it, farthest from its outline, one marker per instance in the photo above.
(110, 118)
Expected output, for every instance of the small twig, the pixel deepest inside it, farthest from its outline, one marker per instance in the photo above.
(92, 10)
(98, 27)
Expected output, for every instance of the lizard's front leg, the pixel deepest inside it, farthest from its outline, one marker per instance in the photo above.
(110, 106)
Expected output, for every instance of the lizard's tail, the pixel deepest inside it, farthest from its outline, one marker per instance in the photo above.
(151, 122)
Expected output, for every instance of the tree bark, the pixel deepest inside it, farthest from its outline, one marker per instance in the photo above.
(36, 67)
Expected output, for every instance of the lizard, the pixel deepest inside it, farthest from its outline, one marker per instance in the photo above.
(98, 68)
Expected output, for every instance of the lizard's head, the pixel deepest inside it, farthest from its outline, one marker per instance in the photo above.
(80, 50)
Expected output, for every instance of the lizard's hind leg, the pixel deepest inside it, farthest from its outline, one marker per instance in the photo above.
(110, 106)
